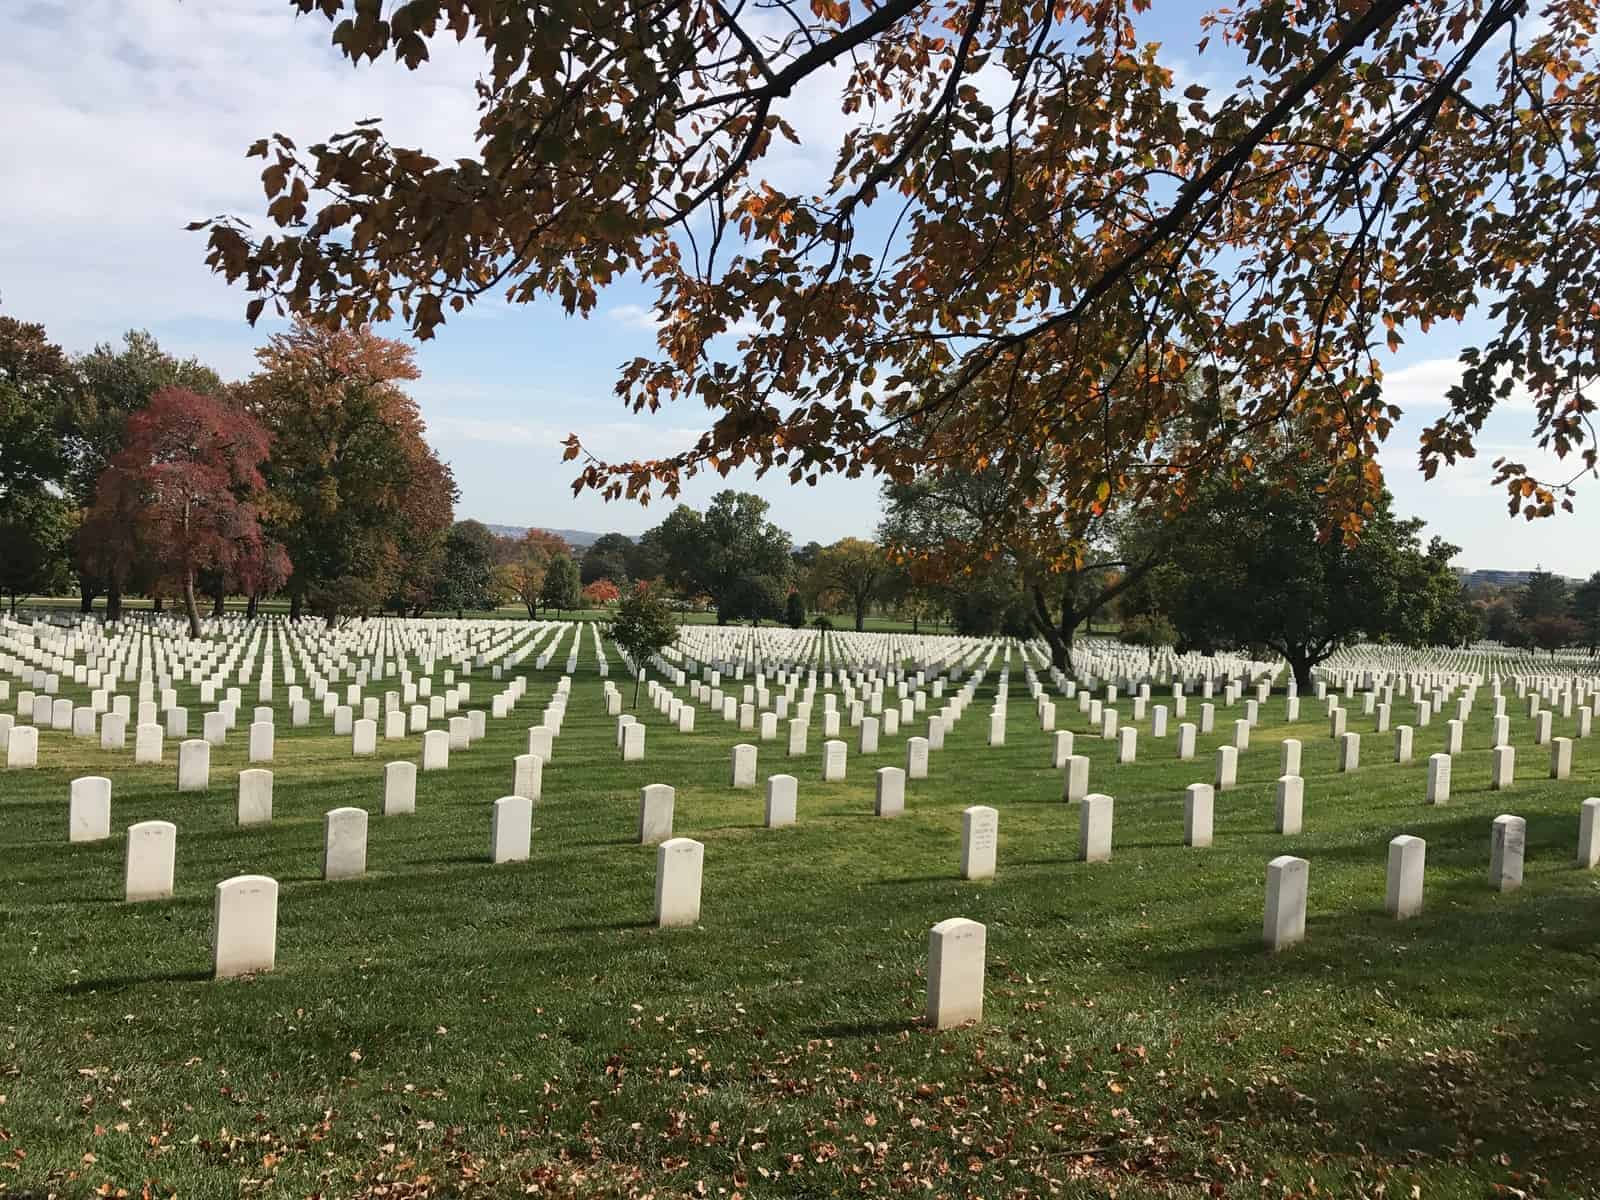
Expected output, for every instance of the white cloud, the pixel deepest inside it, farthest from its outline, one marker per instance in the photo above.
(634, 316)
(130, 118)
(1424, 384)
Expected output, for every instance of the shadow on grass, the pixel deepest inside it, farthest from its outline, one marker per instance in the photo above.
(905, 879)
(602, 926)
(863, 1029)
(118, 983)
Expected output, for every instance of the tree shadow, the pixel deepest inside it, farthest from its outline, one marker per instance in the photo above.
(906, 879)
(864, 1029)
(118, 983)
(602, 926)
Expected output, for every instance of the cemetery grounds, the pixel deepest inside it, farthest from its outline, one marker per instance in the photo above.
(447, 1027)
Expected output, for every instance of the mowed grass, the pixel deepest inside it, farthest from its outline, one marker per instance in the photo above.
(447, 1027)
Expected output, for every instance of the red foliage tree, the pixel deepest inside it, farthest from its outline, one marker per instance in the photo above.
(602, 591)
(187, 480)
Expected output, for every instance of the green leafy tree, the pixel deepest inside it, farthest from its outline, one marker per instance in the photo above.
(1542, 595)
(607, 558)
(732, 554)
(852, 569)
(1586, 611)
(466, 578)
(1552, 633)
(37, 382)
(794, 610)
(643, 626)
(36, 529)
(562, 587)
(1259, 574)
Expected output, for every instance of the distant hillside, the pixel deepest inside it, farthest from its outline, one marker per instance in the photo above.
(1501, 579)
(573, 537)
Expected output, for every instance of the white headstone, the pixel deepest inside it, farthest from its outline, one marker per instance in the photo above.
(782, 791)
(1199, 803)
(680, 863)
(148, 867)
(89, 809)
(1407, 856)
(955, 972)
(399, 788)
(1507, 844)
(194, 765)
(655, 812)
(1438, 779)
(255, 797)
(1502, 767)
(980, 837)
(916, 758)
(511, 829)
(1094, 828)
(890, 797)
(633, 742)
(1589, 834)
(435, 750)
(344, 843)
(743, 763)
(1285, 919)
(1291, 803)
(833, 761)
(244, 925)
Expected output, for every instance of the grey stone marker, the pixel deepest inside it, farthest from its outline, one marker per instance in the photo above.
(147, 743)
(1507, 843)
(194, 765)
(782, 793)
(1289, 757)
(1438, 779)
(261, 741)
(1502, 768)
(511, 830)
(1060, 749)
(1560, 758)
(399, 788)
(244, 926)
(1186, 739)
(1291, 803)
(1589, 834)
(1407, 857)
(1094, 828)
(255, 797)
(889, 799)
(633, 742)
(955, 972)
(916, 758)
(541, 741)
(680, 865)
(1284, 924)
(1227, 768)
(89, 809)
(527, 776)
(435, 750)
(980, 836)
(344, 843)
(1075, 778)
(1349, 751)
(1199, 804)
(655, 812)
(743, 766)
(148, 868)
(833, 761)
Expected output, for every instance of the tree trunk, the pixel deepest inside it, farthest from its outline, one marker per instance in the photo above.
(114, 603)
(914, 619)
(861, 616)
(86, 596)
(189, 605)
(218, 604)
(1057, 636)
(253, 605)
(158, 603)
(637, 674)
(296, 603)
(1300, 663)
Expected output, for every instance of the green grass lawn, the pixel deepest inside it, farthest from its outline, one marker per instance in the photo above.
(448, 1028)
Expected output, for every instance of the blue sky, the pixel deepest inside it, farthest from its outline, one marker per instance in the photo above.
(134, 118)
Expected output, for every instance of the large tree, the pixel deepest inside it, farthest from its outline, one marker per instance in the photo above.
(37, 382)
(357, 495)
(731, 553)
(1542, 595)
(190, 472)
(1033, 230)
(853, 569)
(607, 558)
(1259, 573)
(523, 571)
(36, 529)
(561, 590)
(466, 576)
(113, 383)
